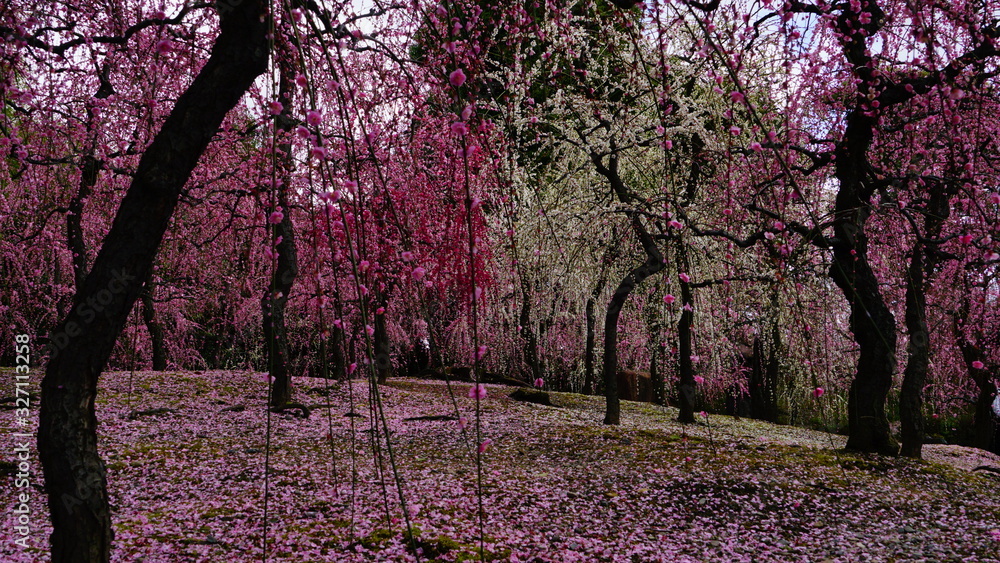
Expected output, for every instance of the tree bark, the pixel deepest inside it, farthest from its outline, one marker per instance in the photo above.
(652, 265)
(275, 299)
(383, 359)
(75, 477)
(527, 331)
(90, 168)
(871, 322)
(588, 351)
(986, 426)
(153, 325)
(589, 356)
(685, 367)
(922, 261)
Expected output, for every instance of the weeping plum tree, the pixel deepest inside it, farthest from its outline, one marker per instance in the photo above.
(75, 477)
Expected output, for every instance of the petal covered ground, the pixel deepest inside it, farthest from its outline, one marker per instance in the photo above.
(187, 483)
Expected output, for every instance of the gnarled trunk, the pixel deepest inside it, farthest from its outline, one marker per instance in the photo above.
(75, 477)
(872, 323)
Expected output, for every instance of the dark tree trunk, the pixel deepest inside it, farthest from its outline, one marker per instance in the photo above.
(275, 299)
(588, 351)
(589, 357)
(871, 321)
(527, 331)
(918, 350)
(90, 168)
(652, 265)
(383, 359)
(986, 432)
(986, 426)
(686, 386)
(75, 478)
(918, 358)
(148, 297)
(656, 381)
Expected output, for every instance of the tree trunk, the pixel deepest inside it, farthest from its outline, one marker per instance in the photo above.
(588, 351)
(383, 359)
(90, 168)
(588, 355)
(686, 387)
(987, 423)
(986, 426)
(871, 321)
(75, 478)
(918, 358)
(527, 332)
(652, 265)
(918, 351)
(152, 324)
(283, 240)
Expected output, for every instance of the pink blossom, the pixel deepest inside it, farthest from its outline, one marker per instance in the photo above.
(369, 329)
(539, 382)
(703, 414)
(477, 391)
(965, 239)
(684, 277)
(485, 445)
(407, 256)
(755, 147)
(995, 199)
(275, 107)
(818, 392)
(699, 379)
(314, 117)
(418, 273)
(275, 217)
(674, 224)
(978, 365)
(459, 128)
(668, 299)
(668, 144)
(695, 358)
(481, 351)
(301, 80)
(737, 96)
(319, 153)
(456, 78)
(164, 46)
(727, 212)
(301, 130)
(688, 307)
(467, 113)
(463, 422)
(779, 226)
(735, 130)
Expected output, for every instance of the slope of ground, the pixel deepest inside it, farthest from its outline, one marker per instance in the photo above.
(187, 483)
